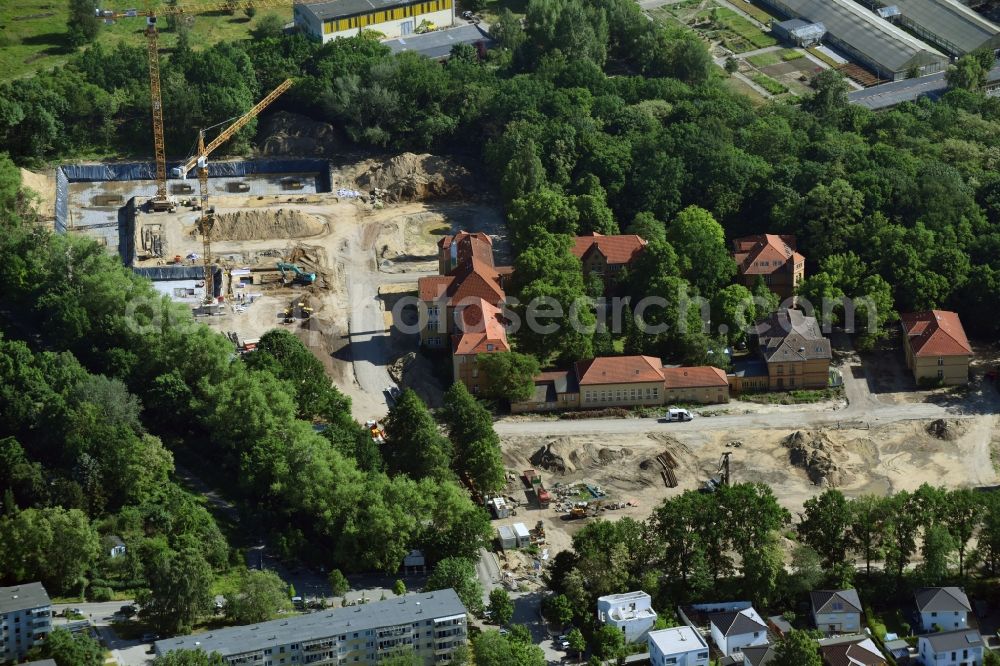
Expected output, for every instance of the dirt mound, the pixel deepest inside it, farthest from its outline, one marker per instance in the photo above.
(553, 457)
(265, 224)
(44, 185)
(410, 177)
(410, 238)
(816, 455)
(946, 430)
(561, 456)
(295, 135)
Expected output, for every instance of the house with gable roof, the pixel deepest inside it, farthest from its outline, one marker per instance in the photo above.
(770, 257)
(796, 353)
(620, 381)
(734, 630)
(942, 608)
(951, 648)
(836, 611)
(936, 346)
(607, 256)
(856, 650)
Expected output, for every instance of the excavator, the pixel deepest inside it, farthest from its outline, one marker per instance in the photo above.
(724, 477)
(300, 276)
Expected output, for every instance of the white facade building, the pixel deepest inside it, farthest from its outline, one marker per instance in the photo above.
(836, 611)
(632, 613)
(942, 608)
(324, 21)
(677, 646)
(733, 631)
(25, 618)
(951, 648)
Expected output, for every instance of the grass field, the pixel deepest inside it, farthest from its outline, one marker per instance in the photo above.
(774, 57)
(32, 32)
(737, 33)
(768, 84)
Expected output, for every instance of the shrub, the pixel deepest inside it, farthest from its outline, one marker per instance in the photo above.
(100, 594)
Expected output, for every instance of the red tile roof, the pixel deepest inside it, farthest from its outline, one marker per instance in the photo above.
(472, 281)
(771, 250)
(463, 247)
(619, 370)
(433, 287)
(616, 249)
(694, 377)
(935, 333)
(482, 330)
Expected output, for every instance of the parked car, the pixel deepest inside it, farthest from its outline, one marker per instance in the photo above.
(562, 642)
(677, 414)
(127, 611)
(148, 637)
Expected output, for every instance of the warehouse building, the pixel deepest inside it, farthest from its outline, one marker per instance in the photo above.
(324, 21)
(885, 49)
(948, 24)
(431, 625)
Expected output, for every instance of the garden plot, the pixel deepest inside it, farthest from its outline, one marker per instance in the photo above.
(794, 74)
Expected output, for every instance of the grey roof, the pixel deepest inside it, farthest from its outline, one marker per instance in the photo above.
(864, 31)
(894, 93)
(344, 8)
(942, 600)
(736, 623)
(303, 628)
(170, 272)
(23, 597)
(952, 24)
(789, 335)
(437, 44)
(822, 601)
(946, 641)
(758, 655)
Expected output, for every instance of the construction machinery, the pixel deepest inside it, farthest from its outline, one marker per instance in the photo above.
(299, 276)
(724, 477)
(161, 202)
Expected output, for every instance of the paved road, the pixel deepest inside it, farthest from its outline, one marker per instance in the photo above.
(873, 414)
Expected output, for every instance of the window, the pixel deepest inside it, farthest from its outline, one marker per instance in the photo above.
(940, 361)
(837, 606)
(933, 614)
(475, 371)
(489, 347)
(940, 374)
(475, 388)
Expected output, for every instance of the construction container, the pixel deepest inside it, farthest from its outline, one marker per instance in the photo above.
(499, 507)
(508, 540)
(521, 535)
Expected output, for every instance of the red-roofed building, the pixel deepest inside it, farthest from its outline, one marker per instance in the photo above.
(461, 249)
(937, 349)
(704, 383)
(481, 332)
(606, 255)
(771, 257)
(441, 294)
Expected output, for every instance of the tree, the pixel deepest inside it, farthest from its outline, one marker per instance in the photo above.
(492, 649)
(797, 648)
(190, 658)
(577, 642)
(259, 596)
(68, 649)
(179, 590)
(608, 642)
(501, 608)
(82, 25)
(509, 376)
(967, 73)
(830, 97)
(961, 514)
(734, 308)
(399, 588)
(250, 11)
(700, 243)
(825, 525)
(647, 227)
(559, 609)
(936, 550)
(402, 659)
(269, 26)
(53, 545)
(458, 573)
(475, 443)
(413, 444)
(867, 518)
(807, 572)
(338, 583)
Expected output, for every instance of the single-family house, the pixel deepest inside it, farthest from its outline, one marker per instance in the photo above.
(481, 331)
(795, 351)
(607, 255)
(856, 650)
(114, 546)
(677, 646)
(951, 648)
(631, 612)
(836, 611)
(735, 630)
(942, 608)
(704, 384)
(936, 347)
(758, 655)
(773, 259)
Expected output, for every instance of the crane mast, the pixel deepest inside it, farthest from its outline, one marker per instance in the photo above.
(160, 202)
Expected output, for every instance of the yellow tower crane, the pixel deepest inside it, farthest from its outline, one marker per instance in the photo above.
(161, 201)
(200, 160)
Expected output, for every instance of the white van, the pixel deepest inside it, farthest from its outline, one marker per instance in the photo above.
(676, 414)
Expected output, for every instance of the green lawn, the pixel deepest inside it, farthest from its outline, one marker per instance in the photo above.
(735, 32)
(32, 32)
(774, 57)
(768, 84)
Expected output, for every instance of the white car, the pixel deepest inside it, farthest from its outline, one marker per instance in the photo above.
(677, 414)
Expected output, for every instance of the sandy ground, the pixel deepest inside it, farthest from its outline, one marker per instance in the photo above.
(44, 186)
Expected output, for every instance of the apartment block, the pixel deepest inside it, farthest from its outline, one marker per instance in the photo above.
(431, 625)
(25, 618)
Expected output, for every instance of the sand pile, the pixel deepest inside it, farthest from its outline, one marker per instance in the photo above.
(44, 185)
(816, 455)
(265, 224)
(946, 430)
(410, 237)
(561, 456)
(410, 177)
(295, 135)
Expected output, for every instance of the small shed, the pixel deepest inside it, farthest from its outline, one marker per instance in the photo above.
(499, 507)
(114, 545)
(522, 535)
(414, 562)
(508, 540)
